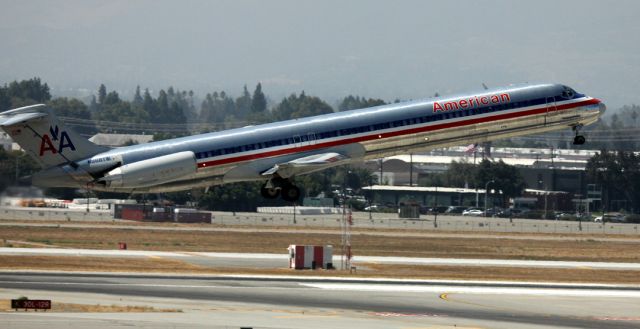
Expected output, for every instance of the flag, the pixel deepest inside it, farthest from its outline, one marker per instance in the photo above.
(471, 148)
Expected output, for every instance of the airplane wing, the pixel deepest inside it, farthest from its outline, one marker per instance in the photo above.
(307, 164)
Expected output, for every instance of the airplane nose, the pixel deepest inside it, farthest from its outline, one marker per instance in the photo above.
(602, 108)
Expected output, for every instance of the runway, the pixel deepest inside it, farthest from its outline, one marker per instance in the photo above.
(265, 260)
(295, 302)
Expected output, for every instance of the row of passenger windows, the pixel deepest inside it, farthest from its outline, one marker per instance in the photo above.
(370, 128)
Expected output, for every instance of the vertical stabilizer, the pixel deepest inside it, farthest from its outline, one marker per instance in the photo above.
(37, 130)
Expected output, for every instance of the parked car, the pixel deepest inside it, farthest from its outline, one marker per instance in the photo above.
(473, 212)
(615, 217)
(439, 210)
(455, 210)
(512, 212)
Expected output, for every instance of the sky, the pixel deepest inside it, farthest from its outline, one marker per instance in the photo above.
(379, 49)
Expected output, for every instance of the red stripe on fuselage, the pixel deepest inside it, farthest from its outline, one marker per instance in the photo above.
(383, 135)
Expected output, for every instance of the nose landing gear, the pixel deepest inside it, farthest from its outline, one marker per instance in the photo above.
(578, 139)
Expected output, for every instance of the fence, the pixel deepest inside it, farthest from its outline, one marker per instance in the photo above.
(361, 220)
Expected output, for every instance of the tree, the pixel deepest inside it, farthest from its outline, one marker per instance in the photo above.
(137, 97)
(5, 100)
(353, 103)
(258, 101)
(23, 93)
(243, 104)
(102, 93)
(73, 108)
(301, 106)
(618, 173)
(32, 89)
(506, 178)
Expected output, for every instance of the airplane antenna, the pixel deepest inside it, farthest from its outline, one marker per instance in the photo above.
(484, 86)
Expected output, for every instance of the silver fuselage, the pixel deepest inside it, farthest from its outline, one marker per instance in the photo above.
(243, 154)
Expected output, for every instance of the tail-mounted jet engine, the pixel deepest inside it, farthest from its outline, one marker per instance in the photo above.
(152, 171)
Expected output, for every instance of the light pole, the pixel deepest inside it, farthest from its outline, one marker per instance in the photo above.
(486, 187)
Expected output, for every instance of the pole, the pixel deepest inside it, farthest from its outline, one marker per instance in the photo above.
(410, 169)
(435, 209)
(17, 158)
(486, 187)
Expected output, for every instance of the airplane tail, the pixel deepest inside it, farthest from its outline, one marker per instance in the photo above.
(39, 132)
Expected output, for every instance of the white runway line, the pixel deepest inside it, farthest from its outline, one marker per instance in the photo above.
(336, 259)
(88, 252)
(477, 290)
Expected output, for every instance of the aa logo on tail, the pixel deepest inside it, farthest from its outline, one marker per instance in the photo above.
(46, 142)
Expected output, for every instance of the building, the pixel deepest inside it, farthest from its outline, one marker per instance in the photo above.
(430, 196)
(115, 140)
(559, 173)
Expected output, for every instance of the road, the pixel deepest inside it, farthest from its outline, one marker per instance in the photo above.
(287, 302)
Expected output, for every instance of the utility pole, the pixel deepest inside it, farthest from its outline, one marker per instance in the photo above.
(486, 187)
(410, 169)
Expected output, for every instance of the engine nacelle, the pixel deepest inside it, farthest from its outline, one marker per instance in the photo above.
(152, 171)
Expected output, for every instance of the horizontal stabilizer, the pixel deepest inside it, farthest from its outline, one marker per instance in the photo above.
(12, 119)
(307, 164)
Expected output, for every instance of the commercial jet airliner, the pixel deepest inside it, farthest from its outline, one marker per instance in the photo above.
(277, 152)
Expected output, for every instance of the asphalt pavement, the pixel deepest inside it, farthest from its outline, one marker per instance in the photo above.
(286, 302)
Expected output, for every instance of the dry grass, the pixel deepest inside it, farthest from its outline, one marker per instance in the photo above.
(464, 246)
(110, 264)
(5, 306)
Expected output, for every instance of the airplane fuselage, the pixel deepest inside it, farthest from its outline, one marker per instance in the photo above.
(244, 154)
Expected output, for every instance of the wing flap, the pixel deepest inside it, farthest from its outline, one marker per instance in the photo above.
(307, 164)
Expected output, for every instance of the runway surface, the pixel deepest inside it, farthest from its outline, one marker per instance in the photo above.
(262, 260)
(290, 302)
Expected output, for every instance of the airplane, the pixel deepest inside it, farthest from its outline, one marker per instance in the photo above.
(278, 152)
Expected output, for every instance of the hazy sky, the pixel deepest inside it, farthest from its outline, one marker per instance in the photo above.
(384, 49)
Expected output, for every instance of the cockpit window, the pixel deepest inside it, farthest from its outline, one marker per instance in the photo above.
(567, 93)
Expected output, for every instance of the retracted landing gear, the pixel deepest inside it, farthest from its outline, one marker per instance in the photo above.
(579, 139)
(278, 186)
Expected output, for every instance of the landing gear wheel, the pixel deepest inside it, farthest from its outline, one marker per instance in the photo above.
(269, 193)
(290, 193)
(579, 139)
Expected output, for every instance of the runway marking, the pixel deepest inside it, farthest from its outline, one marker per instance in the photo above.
(305, 316)
(445, 297)
(395, 314)
(138, 285)
(444, 327)
(361, 259)
(586, 292)
(617, 318)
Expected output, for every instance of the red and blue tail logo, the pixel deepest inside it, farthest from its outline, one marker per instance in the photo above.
(47, 145)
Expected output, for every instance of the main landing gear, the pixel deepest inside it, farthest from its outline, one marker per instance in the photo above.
(278, 186)
(579, 139)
